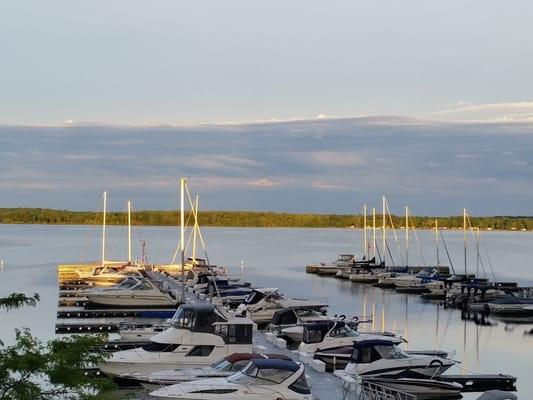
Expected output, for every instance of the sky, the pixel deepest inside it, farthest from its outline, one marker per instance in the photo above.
(288, 106)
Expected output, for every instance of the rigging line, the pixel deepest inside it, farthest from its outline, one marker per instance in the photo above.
(490, 263)
(417, 240)
(179, 243)
(394, 233)
(390, 254)
(197, 227)
(447, 252)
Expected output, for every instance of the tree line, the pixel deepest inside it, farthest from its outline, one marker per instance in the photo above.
(252, 219)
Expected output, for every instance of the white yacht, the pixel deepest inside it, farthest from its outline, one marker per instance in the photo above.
(111, 275)
(259, 380)
(423, 389)
(261, 304)
(143, 294)
(200, 334)
(381, 357)
(220, 369)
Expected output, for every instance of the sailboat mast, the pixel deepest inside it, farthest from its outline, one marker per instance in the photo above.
(406, 236)
(384, 232)
(365, 242)
(103, 229)
(477, 252)
(437, 241)
(464, 234)
(182, 236)
(129, 231)
(374, 231)
(196, 227)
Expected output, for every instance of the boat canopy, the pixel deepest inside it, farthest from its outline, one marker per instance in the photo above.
(198, 317)
(367, 351)
(316, 332)
(285, 365)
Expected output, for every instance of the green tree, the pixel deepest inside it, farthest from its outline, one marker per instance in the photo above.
(33, 370)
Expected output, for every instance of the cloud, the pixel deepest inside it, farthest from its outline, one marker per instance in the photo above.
(326, 186)
(336, 158)
(264, 182)
(490, 112)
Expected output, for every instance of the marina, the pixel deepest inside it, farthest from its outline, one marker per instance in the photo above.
(374, 303)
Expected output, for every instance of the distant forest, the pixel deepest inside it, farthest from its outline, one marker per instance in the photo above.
(250, 219)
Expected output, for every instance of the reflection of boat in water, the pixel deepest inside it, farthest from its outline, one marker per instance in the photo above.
(421, 388)
(511, 305)
(259, 380)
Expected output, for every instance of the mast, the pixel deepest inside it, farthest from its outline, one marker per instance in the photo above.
(477, 252)
(195, 229)
(464, 233)
(129, 231)
(103, 229)
(365, 244)
(182, 236)
(384, 232)
(374, 231)
(406, 236)
(437, 241)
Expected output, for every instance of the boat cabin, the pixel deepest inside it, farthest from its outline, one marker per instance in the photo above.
(259, 294)
(368, 351)
(198, 317)
(293, 316)
(317, 332)
(345, 258)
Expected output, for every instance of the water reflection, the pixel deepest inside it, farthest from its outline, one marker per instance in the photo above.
(276, 258)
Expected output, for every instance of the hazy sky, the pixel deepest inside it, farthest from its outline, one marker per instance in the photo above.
(427, 102)
(168, 61)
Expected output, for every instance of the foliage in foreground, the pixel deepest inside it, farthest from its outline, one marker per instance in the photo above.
(33, 370)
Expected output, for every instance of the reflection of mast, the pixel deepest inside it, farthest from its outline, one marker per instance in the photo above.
(406, 317)
(437, 328)
(383, 312)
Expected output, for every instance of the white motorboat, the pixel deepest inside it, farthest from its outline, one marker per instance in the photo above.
(381, 357)
(406, 280)
(111, 275)
(220, 369)
(259, 380)
(288, 323)
(200, 334)
(143, 294)
(332, 341)
(423, 389)
(261, 304)
(343, 262)
(363, 276)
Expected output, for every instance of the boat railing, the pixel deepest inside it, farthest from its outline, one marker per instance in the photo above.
(354, 389)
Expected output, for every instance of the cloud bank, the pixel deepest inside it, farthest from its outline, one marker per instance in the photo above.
(320, 165)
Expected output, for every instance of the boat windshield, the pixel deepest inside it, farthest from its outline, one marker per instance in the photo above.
(391, 352)
(141, 285)
(251, 375)
(343, 331)
(345, 257)
(127, 283)
(307, 313)
(222, 365)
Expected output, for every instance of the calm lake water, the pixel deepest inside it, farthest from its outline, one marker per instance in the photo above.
(276, 258)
